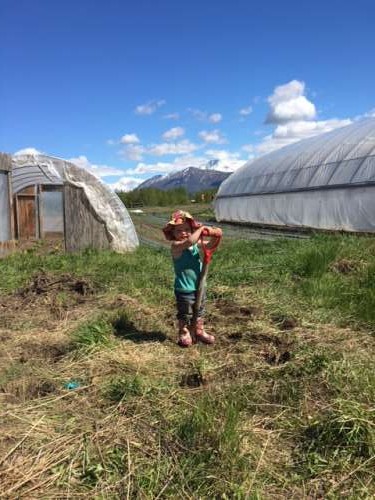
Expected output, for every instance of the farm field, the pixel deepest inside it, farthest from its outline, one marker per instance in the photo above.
(97, 400)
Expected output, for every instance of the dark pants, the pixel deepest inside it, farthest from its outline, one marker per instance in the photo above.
(185, 304)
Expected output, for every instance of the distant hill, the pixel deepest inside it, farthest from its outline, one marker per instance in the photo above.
(191, 178)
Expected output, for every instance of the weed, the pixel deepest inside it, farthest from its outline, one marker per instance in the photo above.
(92, 334)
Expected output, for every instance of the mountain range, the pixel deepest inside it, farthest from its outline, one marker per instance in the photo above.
(193, 179)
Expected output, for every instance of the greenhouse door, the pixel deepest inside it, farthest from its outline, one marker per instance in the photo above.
(26, 217)
(51, 206)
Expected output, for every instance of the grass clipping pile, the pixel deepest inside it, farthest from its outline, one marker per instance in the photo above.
(99, 402)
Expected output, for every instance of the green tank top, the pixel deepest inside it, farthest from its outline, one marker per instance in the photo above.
(187, 269)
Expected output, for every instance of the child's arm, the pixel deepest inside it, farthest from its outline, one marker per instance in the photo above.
(215, 233)
(178, 247)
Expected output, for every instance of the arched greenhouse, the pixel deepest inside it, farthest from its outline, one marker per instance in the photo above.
(325, 182)
(42, 197)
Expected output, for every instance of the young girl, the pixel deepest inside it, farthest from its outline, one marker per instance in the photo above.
(185, 233)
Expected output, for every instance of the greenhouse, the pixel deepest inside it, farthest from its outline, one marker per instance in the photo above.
(49, 198)
(324, 182)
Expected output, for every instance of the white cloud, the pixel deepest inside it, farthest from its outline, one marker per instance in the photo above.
(212, 137)
(172, 116)
(172, 148)
(155, 168)
(246, 111)
(248, 148)
(126, 184)
(204, 116)
(288, 103)
(294, 116)
(369, 114)
(227, 161)
(198, 114)
(133, 152)
(295, 131)
(215, 118)
(28, 151)
(150, 107)
(173, 133)
(97, 170)
(129, 139)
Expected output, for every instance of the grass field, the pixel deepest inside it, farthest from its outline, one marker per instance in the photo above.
(97, 401)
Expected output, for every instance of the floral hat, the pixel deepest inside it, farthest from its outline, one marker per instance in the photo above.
(179, 217)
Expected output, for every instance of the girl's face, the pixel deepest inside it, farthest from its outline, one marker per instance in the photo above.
(182, 231)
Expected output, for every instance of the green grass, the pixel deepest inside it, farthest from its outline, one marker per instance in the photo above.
(287, 275)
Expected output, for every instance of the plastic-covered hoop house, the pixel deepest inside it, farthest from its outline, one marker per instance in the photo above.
(325, 182)
(46, 198)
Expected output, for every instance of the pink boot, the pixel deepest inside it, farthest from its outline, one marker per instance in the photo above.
(201, 335)
(184, 337)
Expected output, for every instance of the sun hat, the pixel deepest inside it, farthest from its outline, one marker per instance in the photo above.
(177, 218)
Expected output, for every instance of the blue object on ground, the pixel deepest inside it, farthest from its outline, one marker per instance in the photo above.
(72, 384)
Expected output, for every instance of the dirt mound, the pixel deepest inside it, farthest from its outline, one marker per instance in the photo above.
(48, 297)
(44, 283)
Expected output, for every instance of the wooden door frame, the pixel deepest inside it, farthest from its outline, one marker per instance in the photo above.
(21, 195)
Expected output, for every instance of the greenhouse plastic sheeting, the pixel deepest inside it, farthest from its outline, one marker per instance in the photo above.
(52, 211)
(327, 181)
(4, 208)
(108, 207)
(338, 209)
(32, 169)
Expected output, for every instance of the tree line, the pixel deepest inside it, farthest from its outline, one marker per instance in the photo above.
(151, 197)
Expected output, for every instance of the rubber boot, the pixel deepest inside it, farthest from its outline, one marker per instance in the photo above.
(184, 337)
(201, 335)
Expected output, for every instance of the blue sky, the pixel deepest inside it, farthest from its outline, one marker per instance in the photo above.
(130, 90)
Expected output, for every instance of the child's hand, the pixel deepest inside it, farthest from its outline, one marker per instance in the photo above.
(212, 231)
(215, 232)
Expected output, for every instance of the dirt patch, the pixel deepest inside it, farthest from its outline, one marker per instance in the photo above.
(229, 308)
(44, 283)
(284, 322)
(21, 390)
(275, 350)
(46, 299)
(192, 380)
(50, 352)
(256, 338)
(278, 358)
(235, 336)
(344, 266)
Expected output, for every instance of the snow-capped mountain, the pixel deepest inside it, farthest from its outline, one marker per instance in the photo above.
(191, 178)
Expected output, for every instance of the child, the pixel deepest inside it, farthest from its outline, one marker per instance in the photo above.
(185, 233)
